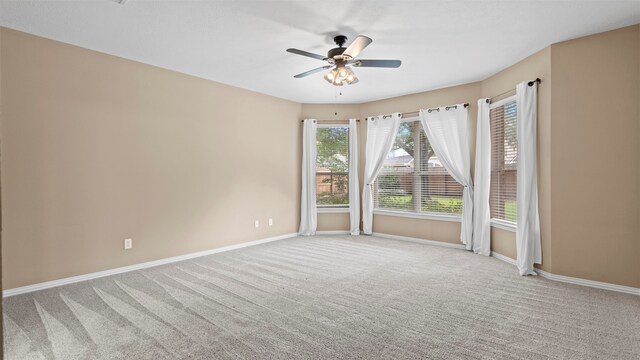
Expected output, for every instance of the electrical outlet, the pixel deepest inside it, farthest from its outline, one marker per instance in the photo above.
(257, 223)
(270, 222)
(128, 244)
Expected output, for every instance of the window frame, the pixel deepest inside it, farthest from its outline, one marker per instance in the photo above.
(496, 222)
(414, 214)
(328, 209)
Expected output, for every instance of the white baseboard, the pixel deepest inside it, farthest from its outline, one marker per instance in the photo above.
(333, 232)
(99, 274)
(590, 283)
(421, 241)
(574, 280)
(504, 258)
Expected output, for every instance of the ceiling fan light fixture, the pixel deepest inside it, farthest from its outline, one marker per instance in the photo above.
(340, 75)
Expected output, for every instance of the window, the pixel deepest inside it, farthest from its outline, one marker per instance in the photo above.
(332, 166)
(412, 178)
(504, 160)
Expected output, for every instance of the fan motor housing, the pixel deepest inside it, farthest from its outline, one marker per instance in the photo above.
(335, 52)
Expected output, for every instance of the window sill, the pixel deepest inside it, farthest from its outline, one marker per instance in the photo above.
(329, 210)
(412, 215)
(504, 225)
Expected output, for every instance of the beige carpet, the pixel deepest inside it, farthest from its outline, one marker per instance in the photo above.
(338, 297)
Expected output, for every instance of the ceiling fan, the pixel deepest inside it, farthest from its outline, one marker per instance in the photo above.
(341, 59)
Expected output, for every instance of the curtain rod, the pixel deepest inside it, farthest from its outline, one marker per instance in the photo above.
(530, 83)
(332, 120)
(429, 110)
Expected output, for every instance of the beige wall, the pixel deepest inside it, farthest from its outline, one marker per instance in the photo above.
(333, 222)
(97, 149)
(85, 166)
(588, 116)
(331, 111)
(537, 65)
(595, 162)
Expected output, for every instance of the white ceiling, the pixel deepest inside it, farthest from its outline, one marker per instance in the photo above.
(242, 43)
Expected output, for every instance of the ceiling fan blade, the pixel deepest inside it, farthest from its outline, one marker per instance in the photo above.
(377, 63)
(306, 53)
(357, 46)
(307, 73)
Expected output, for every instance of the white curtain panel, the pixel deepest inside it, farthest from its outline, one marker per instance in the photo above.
(354, 185)
(528, 222)
(308, 211)
(381, 134)
(448, 133)
(482, 182)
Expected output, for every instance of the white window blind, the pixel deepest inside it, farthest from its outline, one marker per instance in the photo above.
(412, 178)
(332, 166)
(504, 160)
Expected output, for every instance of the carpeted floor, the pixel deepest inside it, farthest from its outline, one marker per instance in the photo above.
(339, 297)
